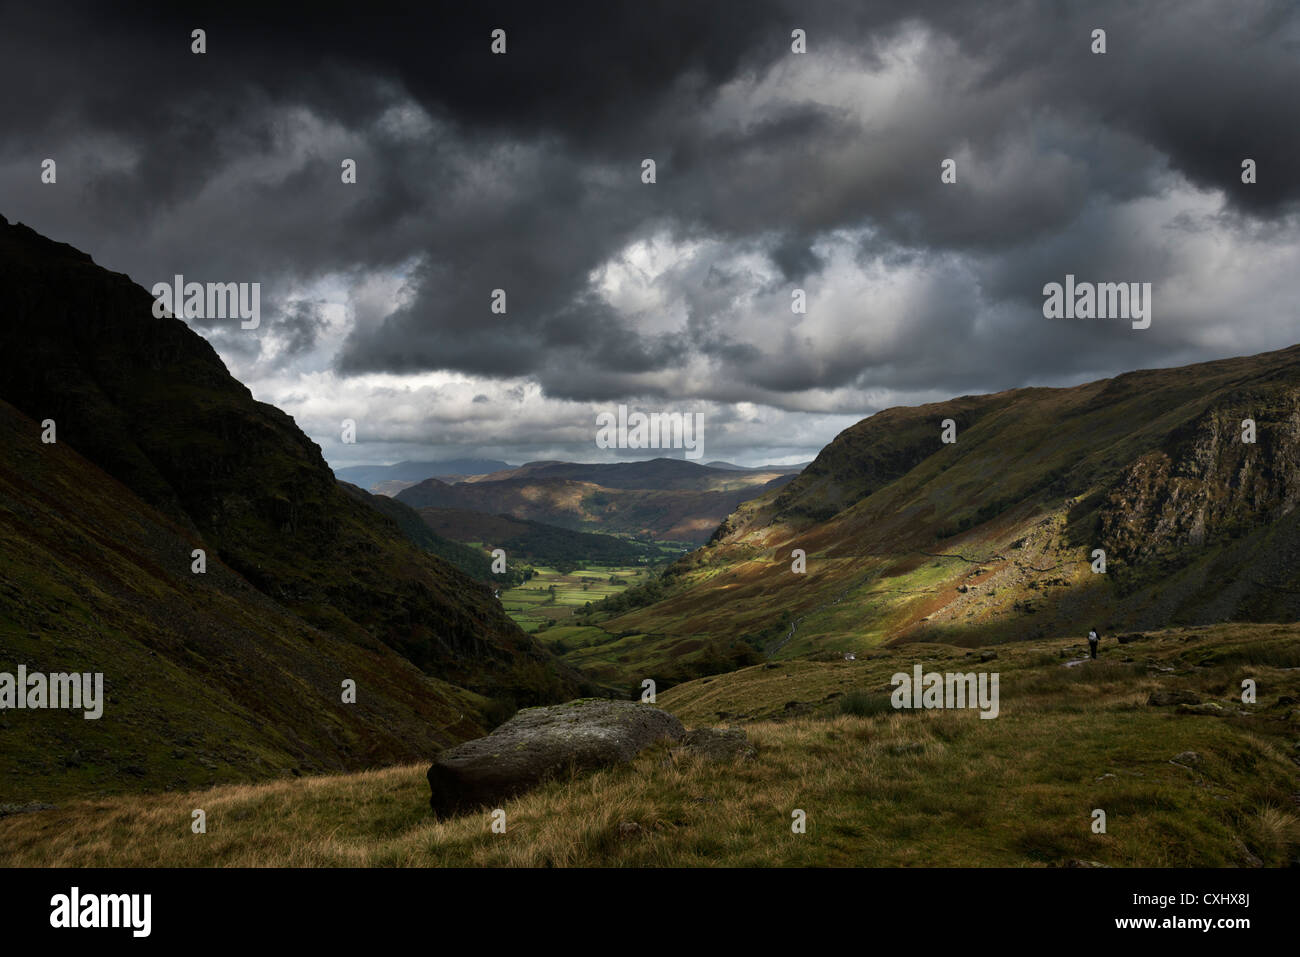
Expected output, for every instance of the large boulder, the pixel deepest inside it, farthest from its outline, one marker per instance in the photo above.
(540, 743)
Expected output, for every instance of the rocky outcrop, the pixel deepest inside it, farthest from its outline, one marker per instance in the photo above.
(542, 743)
(1207, 484)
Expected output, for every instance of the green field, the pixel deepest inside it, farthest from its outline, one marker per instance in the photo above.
(534, 605)
(618, 660)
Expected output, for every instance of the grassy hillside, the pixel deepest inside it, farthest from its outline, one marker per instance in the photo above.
(880, 788)
(991, 539)
(208, 680)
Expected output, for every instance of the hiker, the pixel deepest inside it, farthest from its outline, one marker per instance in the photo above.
(1093, 640)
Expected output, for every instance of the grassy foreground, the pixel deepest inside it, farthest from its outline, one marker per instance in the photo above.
(879, 787)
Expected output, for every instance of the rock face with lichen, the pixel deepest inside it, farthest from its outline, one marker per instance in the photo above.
(542, 743)
(1205, 483)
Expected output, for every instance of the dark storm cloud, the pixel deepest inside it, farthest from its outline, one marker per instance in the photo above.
(299, 326)
(522, 172)
(795, 257)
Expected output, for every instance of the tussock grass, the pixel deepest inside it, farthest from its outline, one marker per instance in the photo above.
(937, 788)
(1274, 654)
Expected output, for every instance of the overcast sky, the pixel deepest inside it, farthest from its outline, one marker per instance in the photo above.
(775, 171)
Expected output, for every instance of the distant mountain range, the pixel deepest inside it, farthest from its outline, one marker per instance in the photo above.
(236, 672)
(663, 499)
(756, 468)
(662, 474)
(370, 477)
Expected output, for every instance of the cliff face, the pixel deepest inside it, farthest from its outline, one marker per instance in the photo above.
(1209, 484)
(1209, 523)
(149, 401)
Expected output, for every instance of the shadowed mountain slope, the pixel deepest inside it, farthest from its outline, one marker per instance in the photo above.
(207, 679)
(151, 412)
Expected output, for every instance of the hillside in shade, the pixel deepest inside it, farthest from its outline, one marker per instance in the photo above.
(161, 451)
